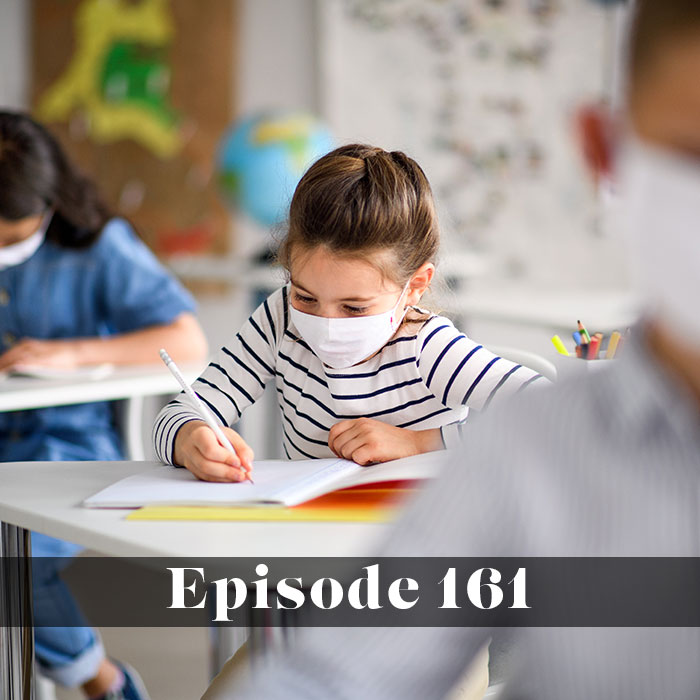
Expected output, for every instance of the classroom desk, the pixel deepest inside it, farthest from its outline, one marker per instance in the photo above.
(130, 383)
(602, 310)
(55, 509)
(527, 318)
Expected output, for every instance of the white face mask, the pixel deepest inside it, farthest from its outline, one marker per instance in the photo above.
(17, 253)
(343, 342)
(660, 206)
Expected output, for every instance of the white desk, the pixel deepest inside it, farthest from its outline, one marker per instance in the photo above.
(526, 318)
(130, 383)
(21, 393)
(46, 497)
(601, 310)
(55, 509)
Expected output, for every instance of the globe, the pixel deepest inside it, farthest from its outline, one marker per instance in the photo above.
(262, 158)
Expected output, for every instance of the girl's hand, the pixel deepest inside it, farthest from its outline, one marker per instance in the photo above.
(63, 354)
(365, 440)
(197, 448)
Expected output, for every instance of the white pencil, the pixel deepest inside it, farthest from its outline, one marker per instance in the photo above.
(206, 415)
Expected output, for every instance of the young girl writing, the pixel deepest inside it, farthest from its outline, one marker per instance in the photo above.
(77, 287)
(360, 370)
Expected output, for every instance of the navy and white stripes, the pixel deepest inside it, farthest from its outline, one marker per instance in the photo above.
(427, 376)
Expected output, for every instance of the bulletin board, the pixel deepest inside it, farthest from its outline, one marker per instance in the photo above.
(482, 94)
(139, 93)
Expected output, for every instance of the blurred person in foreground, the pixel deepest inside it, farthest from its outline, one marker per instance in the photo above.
(606, 464)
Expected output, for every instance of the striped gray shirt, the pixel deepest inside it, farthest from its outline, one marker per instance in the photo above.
(606, 464)
(427, 376)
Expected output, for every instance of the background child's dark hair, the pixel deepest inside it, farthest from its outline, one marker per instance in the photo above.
(35, 175)
(360, 199)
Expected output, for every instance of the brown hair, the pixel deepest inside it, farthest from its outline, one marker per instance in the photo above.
(360, 199)
(657, 23)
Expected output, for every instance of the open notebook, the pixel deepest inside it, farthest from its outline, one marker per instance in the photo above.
(277, 482)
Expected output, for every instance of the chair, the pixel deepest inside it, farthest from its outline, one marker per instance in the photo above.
(527, 359)
(44, 688)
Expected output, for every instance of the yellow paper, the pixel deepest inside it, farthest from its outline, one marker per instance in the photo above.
(265, 514)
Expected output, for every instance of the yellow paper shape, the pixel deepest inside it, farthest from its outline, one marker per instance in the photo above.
(265, 514)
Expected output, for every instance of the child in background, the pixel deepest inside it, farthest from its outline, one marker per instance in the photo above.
(361, 371)
(77, 287)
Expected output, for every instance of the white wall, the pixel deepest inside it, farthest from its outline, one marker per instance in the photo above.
(14, 39)
(277, 55)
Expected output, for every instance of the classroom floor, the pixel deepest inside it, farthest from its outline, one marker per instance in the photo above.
(173, 662)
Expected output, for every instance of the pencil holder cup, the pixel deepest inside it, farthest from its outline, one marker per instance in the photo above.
(572, 365)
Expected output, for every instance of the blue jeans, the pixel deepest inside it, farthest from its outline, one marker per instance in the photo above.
(69, 655)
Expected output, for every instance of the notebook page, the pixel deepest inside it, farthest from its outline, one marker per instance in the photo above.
(325, 479)
(170, 486)
(417, 467)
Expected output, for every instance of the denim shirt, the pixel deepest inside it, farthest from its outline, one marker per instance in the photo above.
(114, 286)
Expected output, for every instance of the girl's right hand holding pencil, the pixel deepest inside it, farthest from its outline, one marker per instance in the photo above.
(198, 449)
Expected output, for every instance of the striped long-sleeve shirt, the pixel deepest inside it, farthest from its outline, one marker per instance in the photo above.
(427, 376)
